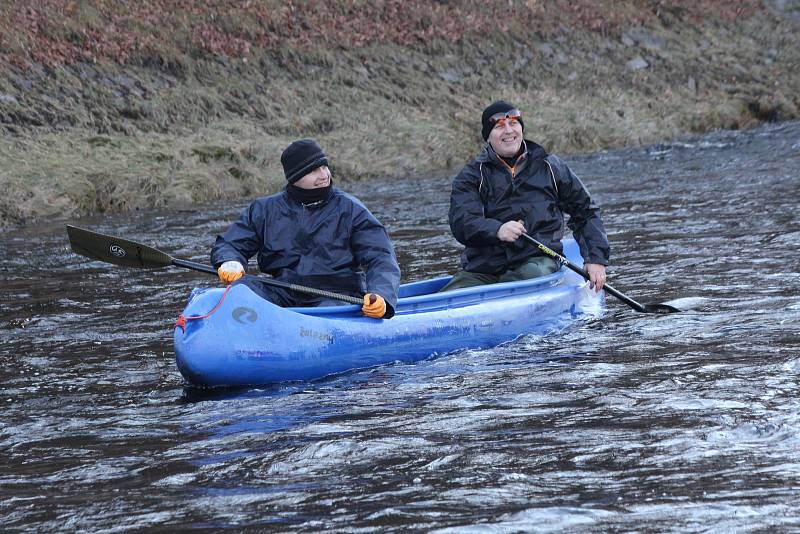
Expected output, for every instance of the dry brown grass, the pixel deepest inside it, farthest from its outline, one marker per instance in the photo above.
(175, 125)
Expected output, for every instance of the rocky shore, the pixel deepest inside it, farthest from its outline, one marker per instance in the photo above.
(107, 107)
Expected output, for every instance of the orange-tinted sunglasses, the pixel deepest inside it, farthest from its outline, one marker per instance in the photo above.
(511, 116)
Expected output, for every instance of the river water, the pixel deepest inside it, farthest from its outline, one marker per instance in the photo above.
(626, 422)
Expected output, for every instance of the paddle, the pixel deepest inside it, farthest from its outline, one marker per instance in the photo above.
(120, 251)
(644, 308)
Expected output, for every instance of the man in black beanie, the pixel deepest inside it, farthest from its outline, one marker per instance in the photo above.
(513, 187)
(311, 234)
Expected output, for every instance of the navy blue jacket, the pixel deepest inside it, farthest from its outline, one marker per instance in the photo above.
(324, 245)
(484, 196)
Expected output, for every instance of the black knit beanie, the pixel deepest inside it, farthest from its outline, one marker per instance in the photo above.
(495, 107)
(300, 158)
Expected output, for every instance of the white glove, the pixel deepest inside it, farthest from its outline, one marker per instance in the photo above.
(230, 271)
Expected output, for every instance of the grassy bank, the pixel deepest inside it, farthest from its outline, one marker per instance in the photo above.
(106, 107)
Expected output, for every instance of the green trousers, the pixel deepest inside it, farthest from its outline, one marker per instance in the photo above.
(535, 266)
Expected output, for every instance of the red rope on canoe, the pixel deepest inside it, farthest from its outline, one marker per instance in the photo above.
(181, 322)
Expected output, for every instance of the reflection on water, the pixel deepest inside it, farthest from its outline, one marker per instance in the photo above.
(620, 423)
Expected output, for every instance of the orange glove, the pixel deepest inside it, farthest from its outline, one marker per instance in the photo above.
(230, 271)
(374, 306)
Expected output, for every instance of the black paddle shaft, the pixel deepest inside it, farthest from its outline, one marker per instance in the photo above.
(128, 253)
(202, 267)
(643, 308)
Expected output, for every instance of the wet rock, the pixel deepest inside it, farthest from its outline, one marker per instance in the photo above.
(523, 60)
(546, 49)
(637, 63)
(450, 76)
(561, 59)
(644, 39)
(653, 42)
(627, 40)
(86, 72)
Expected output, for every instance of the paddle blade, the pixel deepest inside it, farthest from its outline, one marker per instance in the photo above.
(115, 250)
(659, 308)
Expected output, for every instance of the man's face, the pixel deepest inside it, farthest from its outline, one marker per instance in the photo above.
(319, 177)
(506, 137)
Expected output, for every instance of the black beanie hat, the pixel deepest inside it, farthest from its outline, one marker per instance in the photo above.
(300, 158)
(500, 106)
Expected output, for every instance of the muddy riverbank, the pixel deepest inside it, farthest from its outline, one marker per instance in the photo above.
(107, 108)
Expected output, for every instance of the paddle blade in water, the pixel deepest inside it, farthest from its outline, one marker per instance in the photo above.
(115, 250)
(659, 308)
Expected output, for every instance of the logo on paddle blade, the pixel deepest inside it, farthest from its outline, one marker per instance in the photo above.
(117, 251)
(244, 315)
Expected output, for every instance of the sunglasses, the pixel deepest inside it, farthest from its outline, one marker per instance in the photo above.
(511, 117)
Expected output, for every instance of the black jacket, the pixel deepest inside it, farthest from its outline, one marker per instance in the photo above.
(324, 245)
(485, 196)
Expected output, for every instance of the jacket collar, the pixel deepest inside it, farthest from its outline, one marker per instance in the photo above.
(310, 197)
(532, 154)
(533, 151)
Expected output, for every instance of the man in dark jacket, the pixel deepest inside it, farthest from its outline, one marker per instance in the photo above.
(515, 187)
(311, 234)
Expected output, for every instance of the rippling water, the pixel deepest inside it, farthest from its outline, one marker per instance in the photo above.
(626, 422)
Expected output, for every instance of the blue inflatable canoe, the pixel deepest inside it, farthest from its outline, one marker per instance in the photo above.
(243, 339)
